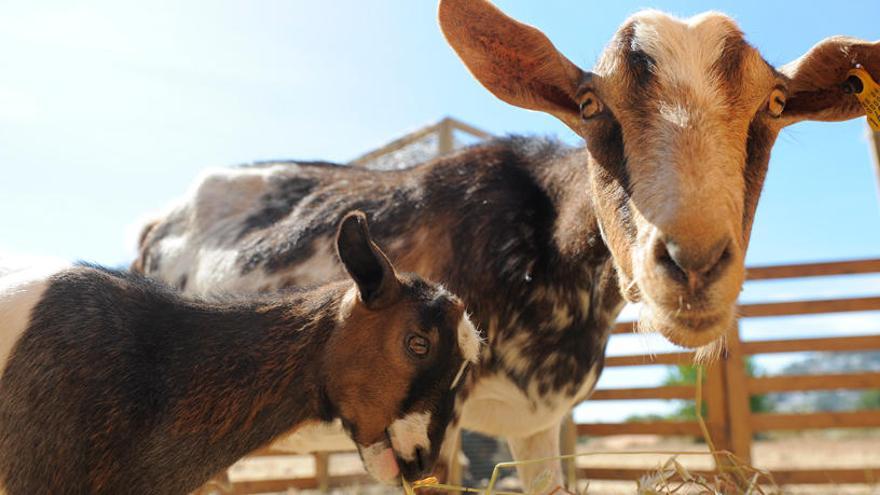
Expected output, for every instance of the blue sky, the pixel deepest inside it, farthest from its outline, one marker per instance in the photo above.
(109, 109)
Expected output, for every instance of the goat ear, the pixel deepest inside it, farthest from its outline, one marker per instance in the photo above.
(815, 89)
(515, 61)
(363, 260)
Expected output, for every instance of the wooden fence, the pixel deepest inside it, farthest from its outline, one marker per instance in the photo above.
(726, 391)
(443, 132)
(728, 387)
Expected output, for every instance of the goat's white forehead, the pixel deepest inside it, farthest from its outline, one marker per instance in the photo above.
(683, 49)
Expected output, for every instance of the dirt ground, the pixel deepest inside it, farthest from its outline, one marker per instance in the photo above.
(853, 450)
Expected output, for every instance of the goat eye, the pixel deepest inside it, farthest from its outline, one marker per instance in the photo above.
(417, 345)
(590, 105)
(776, 103)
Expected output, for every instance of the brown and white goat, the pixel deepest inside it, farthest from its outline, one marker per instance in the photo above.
(118, 385)
(543, 242)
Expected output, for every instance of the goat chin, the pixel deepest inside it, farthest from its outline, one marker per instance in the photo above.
(690, 331)
(381, 463)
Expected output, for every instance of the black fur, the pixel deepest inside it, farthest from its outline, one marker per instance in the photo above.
(500, 205)
(120, 385)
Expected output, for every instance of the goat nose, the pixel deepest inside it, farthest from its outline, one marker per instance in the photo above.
(695, 266)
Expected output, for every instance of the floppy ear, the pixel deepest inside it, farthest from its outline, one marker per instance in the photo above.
(816, 89)
(515, 61)
(365, 262)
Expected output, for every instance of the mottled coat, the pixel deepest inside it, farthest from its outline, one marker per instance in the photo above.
(542, 242)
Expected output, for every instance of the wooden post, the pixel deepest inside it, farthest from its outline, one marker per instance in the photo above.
(738, 411)
(568, 444)
(714, 396)
(322, 471)
(445, 138)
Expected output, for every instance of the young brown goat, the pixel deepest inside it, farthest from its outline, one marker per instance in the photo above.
(113, 384)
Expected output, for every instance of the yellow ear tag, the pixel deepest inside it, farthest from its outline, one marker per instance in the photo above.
(868, 93)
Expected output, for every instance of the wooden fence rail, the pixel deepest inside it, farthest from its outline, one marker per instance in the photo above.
(726, 390)
(728, 387)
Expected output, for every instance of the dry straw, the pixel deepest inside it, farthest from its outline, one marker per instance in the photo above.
(730, 476)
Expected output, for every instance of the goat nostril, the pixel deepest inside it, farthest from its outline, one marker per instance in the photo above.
(664, 258)
(721, 260)
(693, 266)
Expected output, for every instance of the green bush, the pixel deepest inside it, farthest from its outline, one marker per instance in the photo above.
(686, 374)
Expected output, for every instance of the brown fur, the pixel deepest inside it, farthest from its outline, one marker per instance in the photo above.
(119, 385)
(684, 100)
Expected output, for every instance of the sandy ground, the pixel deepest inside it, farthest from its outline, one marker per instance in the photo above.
(793, 452)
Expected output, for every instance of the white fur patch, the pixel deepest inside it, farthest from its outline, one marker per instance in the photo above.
(534, 412)
(223, 193)
(409, 433)
(379, 461)
(346, 305)
(685, 49)
(21, 288)
(201, 245)
(468, 339)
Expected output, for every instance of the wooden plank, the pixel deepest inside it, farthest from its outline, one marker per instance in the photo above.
(395, 145)
(813, 269)
(808, 421)
(624, 327)
(667, 392)
(781, 477)
(322, 471)
(443, 128)
(272, 452)
(790, 308)
(461, 126)
(445, 139)
(765, 384)
(690, 428)
(787, 308)
(715, 396)
(738, 408)
(826, 476)
(264, 486)
(670, 358)
(625, 474)
(858, 343)
(282, 485)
